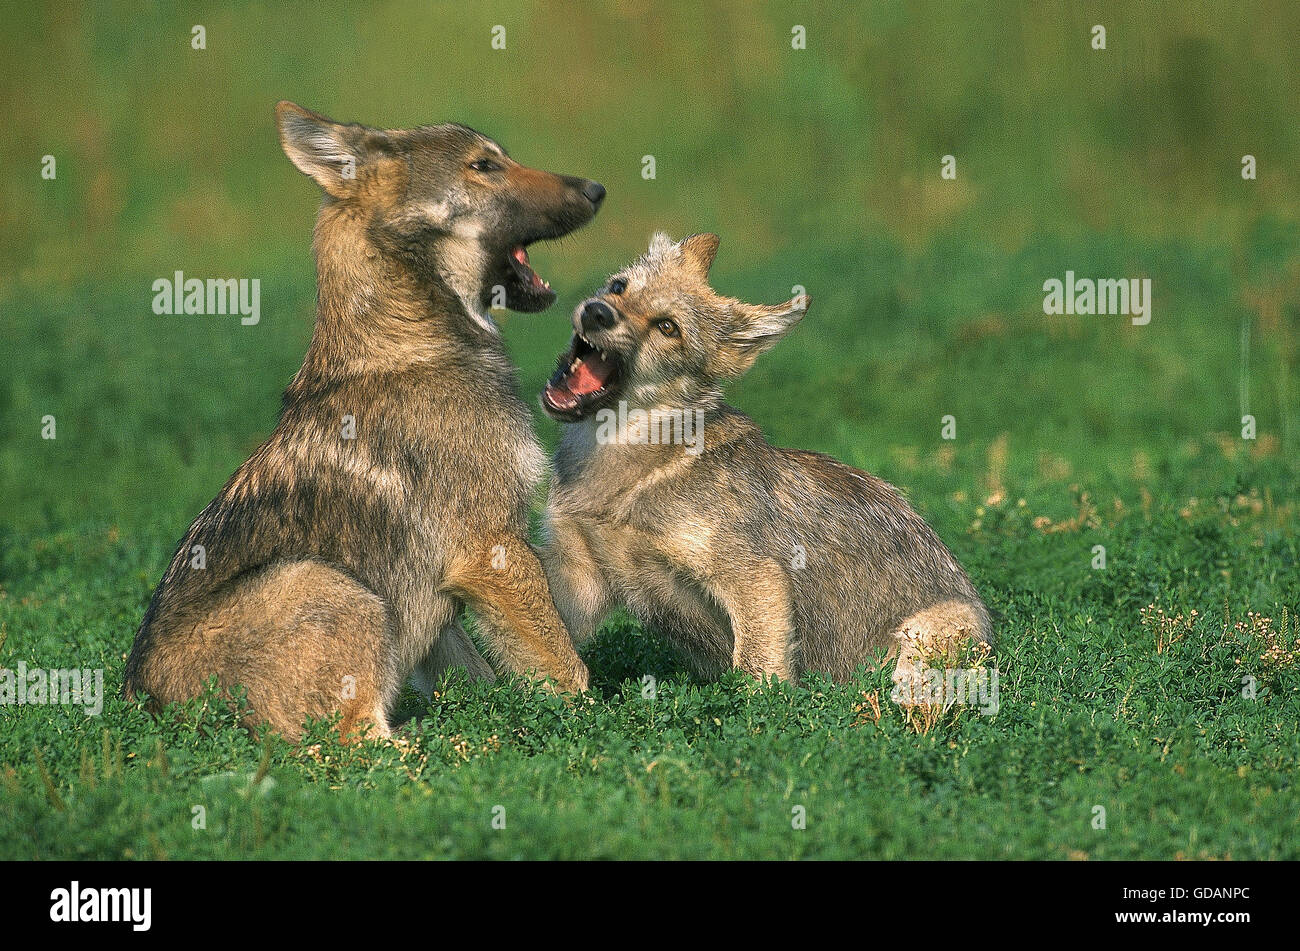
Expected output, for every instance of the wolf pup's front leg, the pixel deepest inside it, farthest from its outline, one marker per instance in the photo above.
(756, 595)
(504, 583)
(578, 584)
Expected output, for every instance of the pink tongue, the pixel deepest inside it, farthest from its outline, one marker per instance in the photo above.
(590, 375)
(561, 396)
(520, 254)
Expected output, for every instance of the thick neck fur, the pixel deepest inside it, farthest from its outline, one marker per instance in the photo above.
(584, 453)
(380, 310)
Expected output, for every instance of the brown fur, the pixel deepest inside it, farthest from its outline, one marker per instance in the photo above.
(337, 567)
(773, 561)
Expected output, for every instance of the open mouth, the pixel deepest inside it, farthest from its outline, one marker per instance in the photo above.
(585, 376)
(529, 278)
(526, 290)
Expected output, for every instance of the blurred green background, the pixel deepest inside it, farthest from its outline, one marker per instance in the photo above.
(818, 167)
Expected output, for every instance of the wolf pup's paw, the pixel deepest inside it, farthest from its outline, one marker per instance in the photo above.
(579, 681)
(576, 681)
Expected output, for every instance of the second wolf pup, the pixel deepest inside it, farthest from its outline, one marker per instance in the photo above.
(773, 561)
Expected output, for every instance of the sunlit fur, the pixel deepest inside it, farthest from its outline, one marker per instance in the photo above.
(773, 561)
(336, 568)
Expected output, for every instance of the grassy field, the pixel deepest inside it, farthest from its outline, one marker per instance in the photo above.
(1163, 688)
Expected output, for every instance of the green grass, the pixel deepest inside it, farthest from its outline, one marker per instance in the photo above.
(1072, 432)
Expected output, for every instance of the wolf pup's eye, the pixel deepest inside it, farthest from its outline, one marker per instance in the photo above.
(668, 328)
(485, 165)
(617, 286)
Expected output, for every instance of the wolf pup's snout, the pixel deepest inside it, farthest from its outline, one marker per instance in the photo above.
(596, 316)
(594, 192)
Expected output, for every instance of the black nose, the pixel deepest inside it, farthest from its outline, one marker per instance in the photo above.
(597, 315)
(594, 192)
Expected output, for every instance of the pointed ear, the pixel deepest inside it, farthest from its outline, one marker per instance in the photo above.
(699, 250)
(328, 151)
(756, 330)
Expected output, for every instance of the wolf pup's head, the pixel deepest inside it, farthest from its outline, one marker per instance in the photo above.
(445, 199)
(658, 336)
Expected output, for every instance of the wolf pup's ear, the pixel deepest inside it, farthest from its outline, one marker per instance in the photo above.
(756, 328)
(699, 250)
(330, 152)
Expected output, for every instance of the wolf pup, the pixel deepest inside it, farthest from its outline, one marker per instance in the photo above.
(671, 503)
(395, 488)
